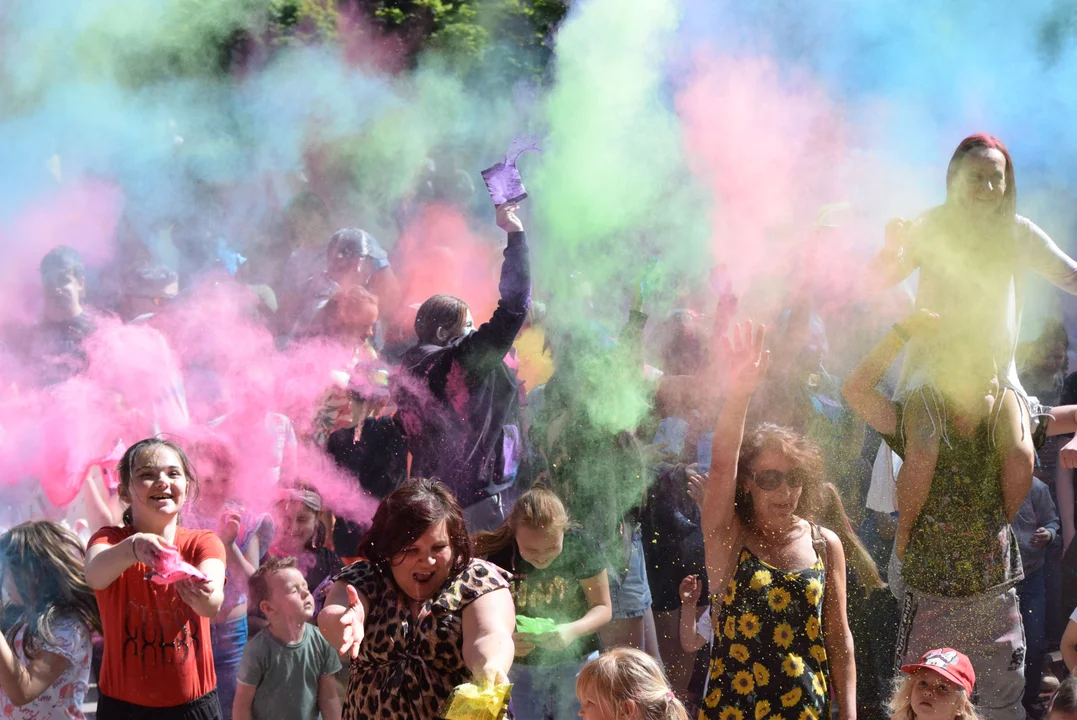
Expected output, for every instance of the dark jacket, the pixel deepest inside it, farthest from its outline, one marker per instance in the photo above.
(457, 400)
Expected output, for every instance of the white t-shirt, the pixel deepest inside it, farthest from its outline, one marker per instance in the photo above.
(63, 699)
(978, 284)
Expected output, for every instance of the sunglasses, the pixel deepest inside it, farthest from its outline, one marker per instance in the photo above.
(772, 479)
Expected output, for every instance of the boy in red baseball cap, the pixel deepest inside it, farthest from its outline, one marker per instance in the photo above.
(939, 687)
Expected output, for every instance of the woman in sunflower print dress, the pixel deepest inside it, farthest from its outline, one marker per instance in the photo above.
(782, 645)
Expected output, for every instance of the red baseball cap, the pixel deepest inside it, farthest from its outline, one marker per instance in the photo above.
(949, 663)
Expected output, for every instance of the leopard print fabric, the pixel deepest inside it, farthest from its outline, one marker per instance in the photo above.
(408, 667)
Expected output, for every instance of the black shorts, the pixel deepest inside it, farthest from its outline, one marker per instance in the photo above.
(206, 707)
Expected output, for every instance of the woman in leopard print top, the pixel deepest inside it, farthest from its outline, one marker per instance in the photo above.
(420, 615)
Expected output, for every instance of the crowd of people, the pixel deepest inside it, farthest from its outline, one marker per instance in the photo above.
(770, 541)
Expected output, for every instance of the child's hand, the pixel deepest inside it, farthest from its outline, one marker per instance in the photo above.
(194, 590)
(1068, 455)
(228, 529)
(897, 234)
(559, 639)
(690, 590)
(1041, 538)
(150, 549)
(524, 642)
(921, 323)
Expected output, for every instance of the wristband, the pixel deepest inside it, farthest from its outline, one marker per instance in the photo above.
(901, 332)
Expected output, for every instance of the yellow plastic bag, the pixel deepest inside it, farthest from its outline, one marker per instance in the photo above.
(470, 702)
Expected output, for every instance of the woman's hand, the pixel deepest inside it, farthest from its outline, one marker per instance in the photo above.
(507, 219)
(746, 360)
(491, 677)
(150, 549)
(351, 627)
(690, 590)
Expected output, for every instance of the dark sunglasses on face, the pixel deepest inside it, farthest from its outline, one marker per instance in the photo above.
(772, 479)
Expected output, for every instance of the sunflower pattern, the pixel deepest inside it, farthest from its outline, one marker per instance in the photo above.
(769, 660)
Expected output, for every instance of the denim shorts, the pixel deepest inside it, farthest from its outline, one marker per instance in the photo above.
(629, 591)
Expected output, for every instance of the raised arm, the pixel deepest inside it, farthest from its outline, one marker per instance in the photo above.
(494, 338)
(746, 364)
(861, 388)
(1047, 260)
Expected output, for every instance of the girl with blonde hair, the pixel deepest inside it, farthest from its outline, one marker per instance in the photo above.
(562, 598)
(939, 687)
(626, 684)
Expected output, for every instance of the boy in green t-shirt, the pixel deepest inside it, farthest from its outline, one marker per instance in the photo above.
(287, 669)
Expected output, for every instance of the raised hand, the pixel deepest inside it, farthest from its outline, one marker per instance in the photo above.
(745, 359)
(507, 219)
(228, 528)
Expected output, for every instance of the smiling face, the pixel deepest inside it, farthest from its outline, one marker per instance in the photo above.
(934, 697)
(980, 184)
(779, 504)
(290, 600)
(158, 484)
(539, 546)
(423, 567)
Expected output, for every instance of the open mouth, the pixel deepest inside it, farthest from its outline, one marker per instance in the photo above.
(422, 578)
(162, 497)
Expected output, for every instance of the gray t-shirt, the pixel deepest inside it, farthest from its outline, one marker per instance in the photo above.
(287, 676)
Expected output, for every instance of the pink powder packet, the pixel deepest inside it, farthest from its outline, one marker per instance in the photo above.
(171, 568)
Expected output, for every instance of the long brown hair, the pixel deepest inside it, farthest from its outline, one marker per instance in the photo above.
(829, 511)
(802, 452)
(408, 512)
(537, 508)
(127, 469)
(47, 565)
